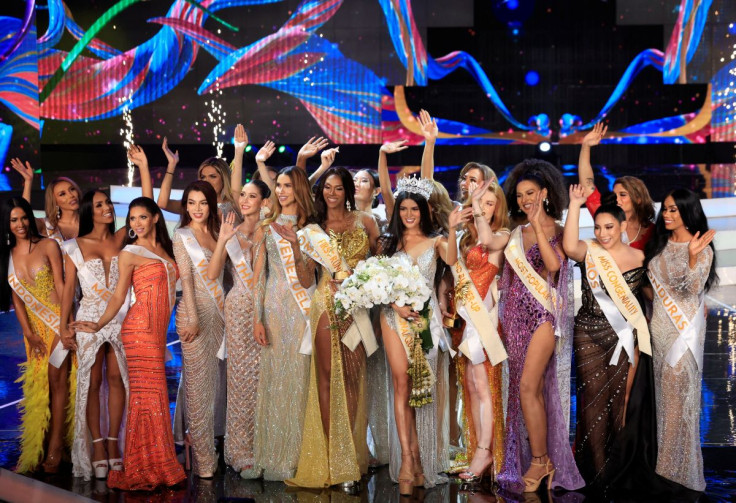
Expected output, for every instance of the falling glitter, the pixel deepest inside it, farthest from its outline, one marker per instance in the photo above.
(217, 118)
(127, 133)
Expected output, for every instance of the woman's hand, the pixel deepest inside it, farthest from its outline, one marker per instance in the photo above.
(265, 152)
(312, 146)
(189, 333)
(26, 171)
(288, 233)
(698, 243)
(172, 158)
(577, 195)
(394, 146)
(428, 125)
(405, 312)
(228, 227)
(35, 344)
(240, 137)
(595, 136)
(68, 338)
(259, 334)
(137, 156)
(328, 156)
(88, 327)
(535, 215)
(459, 215)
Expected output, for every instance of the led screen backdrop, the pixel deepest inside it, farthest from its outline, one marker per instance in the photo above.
(493, 72)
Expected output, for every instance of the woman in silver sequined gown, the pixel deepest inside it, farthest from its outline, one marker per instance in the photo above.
(680, 256)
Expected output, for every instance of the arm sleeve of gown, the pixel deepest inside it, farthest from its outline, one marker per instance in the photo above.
(186, 274)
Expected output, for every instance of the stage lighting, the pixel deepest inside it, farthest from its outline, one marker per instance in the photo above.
(544, 147)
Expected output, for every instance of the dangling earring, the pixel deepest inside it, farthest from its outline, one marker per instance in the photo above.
(7, 238)
(58, 213)
(132, 234)
(347, 205)
(546, 204)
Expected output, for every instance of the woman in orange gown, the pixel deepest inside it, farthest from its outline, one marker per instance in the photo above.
(146, 261)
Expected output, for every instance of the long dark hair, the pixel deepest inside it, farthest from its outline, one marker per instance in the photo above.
(162, 233)
(262, 187)
(213, 221)
(9, 242)
(374, 179)
(694, 219)
(611, 209)
(545, 176)
(389, 242)
(320, 205)
(86, 213)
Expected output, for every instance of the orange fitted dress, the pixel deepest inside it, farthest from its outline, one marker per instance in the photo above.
(149, 458)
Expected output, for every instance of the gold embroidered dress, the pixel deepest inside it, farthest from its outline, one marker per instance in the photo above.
(343, 455)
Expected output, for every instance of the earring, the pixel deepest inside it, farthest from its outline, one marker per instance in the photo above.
(58, 213)
(7, 238)
(132, 234)
(546, 203)
(347, 205)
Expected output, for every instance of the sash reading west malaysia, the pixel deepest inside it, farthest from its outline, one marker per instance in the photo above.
(481, 318)
(214, 287)
(619, 306)
(45, 314)
(170, 278)
(302, 296)
(314, 242)
(689, 329)
(72, 250)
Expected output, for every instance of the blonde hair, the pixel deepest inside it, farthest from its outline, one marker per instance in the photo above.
(302, 194)
(440, 206)
(488, 174)
(499, 220)
(52, 209)
(223, 169)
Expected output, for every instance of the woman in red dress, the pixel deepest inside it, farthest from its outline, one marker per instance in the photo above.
(146, 261)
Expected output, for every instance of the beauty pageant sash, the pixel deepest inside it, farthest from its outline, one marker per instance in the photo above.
(243, 268)
(316, 243)
(536, 285)
(89, 281)
(302, 296)
(480, 315)
(214, 287)
(618, 303)
(689, 329)
(43, 313)
(53, 232)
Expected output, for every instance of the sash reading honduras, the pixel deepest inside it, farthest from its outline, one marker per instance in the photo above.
(314, 242)
(214, 287)
(302, 296)
(480, 315)
(689, 329)
(43, 313)
(619, 306)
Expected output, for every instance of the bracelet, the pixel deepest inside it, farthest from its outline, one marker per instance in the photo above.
(169, 173)
(478, 215)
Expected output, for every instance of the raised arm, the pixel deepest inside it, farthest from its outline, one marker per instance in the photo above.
(219, 256)
(571, 243)
(164, 194)
(383, 176)
(550, 256)
(236, 171)
(493, 241)
(371, 228)
(585, 169)
(447, 247)
(430, 133)
(310, 149)
(26, 171)
(328, 157)
(264, 153)
(138, 157)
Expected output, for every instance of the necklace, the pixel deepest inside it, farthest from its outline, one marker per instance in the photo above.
(637, 234)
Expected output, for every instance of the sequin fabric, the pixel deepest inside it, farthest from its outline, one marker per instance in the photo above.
(35, 414)
(91, 308)
(482, 274)
(242, 369)
(200, 365)
(521, 315)
(677, 389)
(601, 388)
(432, 420)
(149, 458)
(342, 454)
(284, 372)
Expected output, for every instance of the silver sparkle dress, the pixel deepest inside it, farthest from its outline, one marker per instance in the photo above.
(200, 365)
(677, 389)
(284, 372)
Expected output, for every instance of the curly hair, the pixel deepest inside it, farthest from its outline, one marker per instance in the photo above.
(545, 176)
(50, 206)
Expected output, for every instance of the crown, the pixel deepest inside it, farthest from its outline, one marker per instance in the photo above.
(421, 186)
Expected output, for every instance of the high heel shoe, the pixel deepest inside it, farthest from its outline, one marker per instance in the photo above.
(116, 464)
(471, 478)
(100, 467)
(418, 477)
(51, 465)
(406, 484)
(531, 485)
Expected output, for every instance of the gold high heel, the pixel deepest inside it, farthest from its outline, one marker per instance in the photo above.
(471, 478)
(532, 485)
(406, 485)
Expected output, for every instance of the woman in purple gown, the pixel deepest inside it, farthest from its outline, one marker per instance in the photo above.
(536, 321)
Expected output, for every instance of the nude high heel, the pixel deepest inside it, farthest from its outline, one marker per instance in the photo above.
(100, 467)
(532, 485)
(418, 477)
(406, 484)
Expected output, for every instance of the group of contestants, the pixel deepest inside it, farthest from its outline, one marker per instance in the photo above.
(299, 391)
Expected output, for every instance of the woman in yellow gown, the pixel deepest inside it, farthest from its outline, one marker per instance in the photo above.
(334, 448)
(35, 275)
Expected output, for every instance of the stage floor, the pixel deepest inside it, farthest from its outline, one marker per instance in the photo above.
(717, 430)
